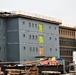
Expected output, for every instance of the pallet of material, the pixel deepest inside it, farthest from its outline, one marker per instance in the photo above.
(50, 72)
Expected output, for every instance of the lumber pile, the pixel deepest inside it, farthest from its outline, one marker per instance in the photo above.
(33, 71)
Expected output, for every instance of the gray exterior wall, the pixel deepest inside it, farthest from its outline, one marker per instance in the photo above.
(12, 39)
(3, 39)
(24, 29)
(19, 46)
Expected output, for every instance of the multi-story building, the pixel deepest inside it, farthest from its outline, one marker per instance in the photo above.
(67, 39)
(24, 37)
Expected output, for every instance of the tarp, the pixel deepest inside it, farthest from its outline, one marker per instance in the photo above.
(58, 58)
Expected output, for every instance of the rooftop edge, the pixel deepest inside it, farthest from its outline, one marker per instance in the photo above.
(31, 16)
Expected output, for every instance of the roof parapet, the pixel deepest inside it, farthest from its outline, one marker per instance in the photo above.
(4, 13)
(67, 26)
(37, 16)
(30, 16)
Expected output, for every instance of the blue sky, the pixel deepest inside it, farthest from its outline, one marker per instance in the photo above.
(61, 9)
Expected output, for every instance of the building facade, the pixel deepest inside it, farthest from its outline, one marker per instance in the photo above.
(25, 37)
(3, 54)
(67, 39)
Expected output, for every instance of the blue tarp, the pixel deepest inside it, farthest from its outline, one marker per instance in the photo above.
(58, 58)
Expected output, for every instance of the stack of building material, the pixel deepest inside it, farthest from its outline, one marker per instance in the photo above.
(13, 71)
(33, 71)
(51, 72)
(54, 63)
(51, 61)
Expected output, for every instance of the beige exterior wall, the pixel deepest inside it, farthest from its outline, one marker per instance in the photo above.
(67, 37)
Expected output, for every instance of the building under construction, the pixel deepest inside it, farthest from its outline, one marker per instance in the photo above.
(26, 37)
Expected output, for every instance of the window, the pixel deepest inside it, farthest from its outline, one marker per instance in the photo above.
(59, 31)
(29, 36)
(55, 38)
(41, 39)
(33, 49)
(55, 28)
(33, 37)
(30, 49)
(68, 32)
(36, 37)
(49, 27)
(23, 35)
(24, 48)
(36, 49)
(41, 50)
(35, 25)
(56, 49)
(40, 27)
(50, 38)
(29, 24)
(72, 34)
(50, 49)
(23, 22)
